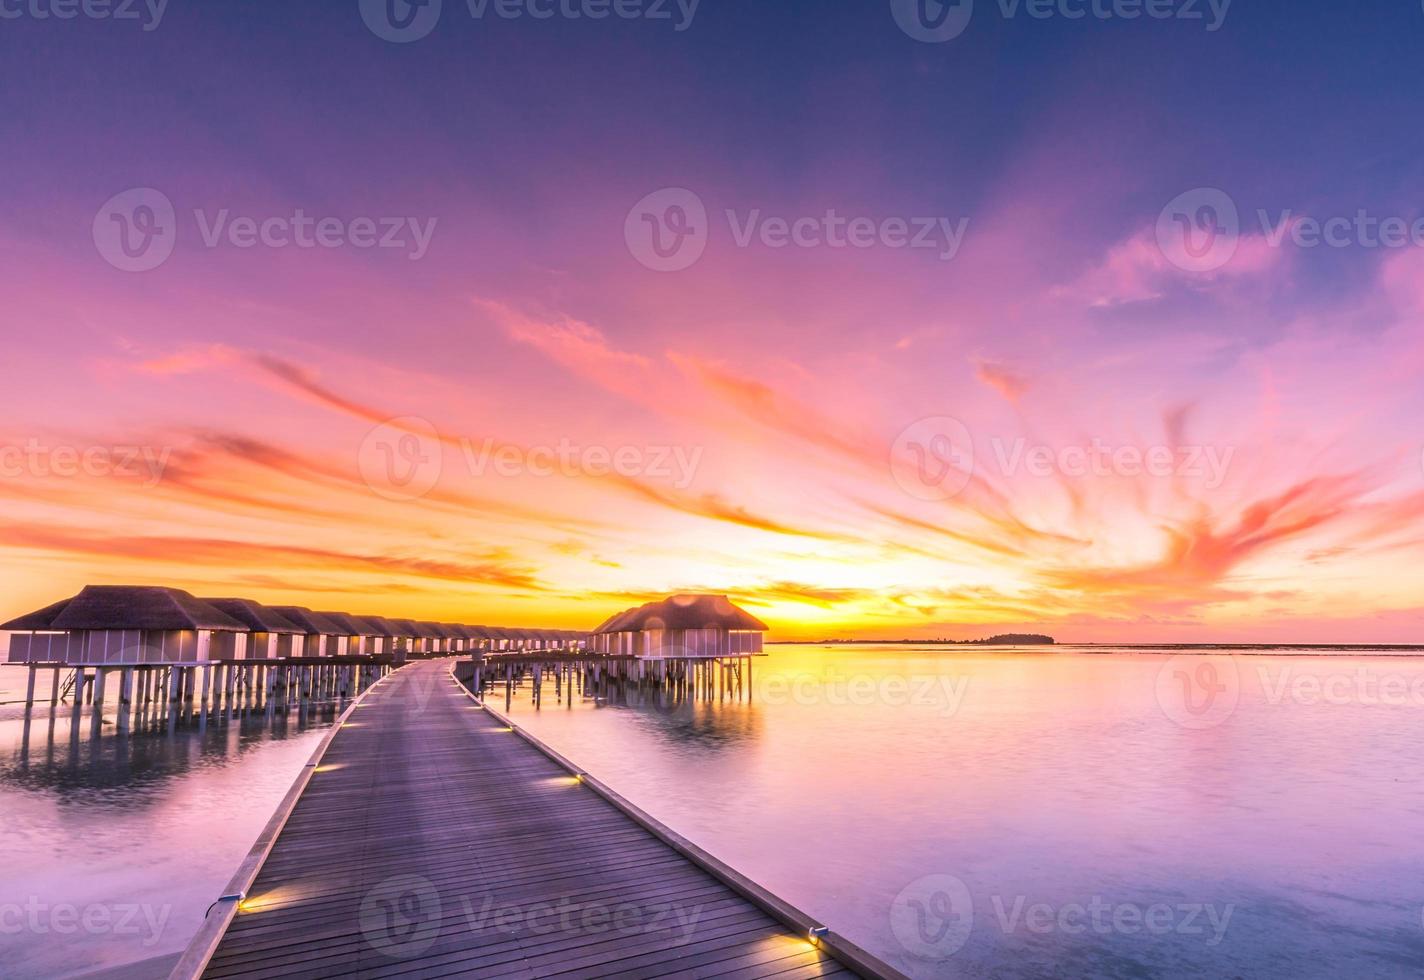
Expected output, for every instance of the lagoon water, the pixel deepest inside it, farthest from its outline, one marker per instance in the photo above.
(962, 812)
(1055, 814)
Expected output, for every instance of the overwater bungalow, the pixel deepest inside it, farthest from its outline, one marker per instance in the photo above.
(362, 638)
(384, 640)
(687, 626)
(323, 638)
(270, 635)
(469, 639)
(436, 639)
(452, 640)
(125, 624)
(409, 640)
(610, 640)
(396, 634)
(482, 637)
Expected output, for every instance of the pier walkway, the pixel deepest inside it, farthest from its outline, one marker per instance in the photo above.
(432, 841)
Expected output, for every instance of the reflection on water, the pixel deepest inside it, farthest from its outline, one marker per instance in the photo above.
(114, 846)
(1063, 813)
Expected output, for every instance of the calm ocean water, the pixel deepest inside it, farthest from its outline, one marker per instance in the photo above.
(1091, 814)
(112, 849)
(960, 813)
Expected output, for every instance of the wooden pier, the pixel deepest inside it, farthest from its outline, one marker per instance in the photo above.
(148, 696)
(429, 838)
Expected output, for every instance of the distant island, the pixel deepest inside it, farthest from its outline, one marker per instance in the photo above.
(1002, 639)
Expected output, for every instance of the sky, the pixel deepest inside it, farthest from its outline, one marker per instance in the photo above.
(885, 321)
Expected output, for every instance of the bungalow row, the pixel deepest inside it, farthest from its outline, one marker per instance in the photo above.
(690, 626)
(108, 624)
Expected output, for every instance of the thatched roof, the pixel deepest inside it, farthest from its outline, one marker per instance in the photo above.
(351, 625)
(406, 627)
(40, 619)
(128, 607)
(427, 630)
(253, 615)
(689, 611)
(311, 623)
(615, 622)
(152, 607)
(384, 626)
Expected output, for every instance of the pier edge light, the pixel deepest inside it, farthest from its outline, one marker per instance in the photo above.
(816, 933)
